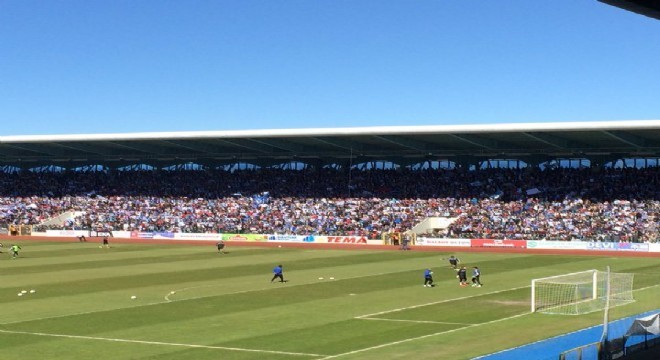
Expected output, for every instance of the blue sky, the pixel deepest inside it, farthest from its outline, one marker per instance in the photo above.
(116, 66)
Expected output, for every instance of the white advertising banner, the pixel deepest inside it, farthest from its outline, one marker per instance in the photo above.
(557, 245)
(654, 247)
(66, 233)
(291, 238)
(424, 241)
(195, 236)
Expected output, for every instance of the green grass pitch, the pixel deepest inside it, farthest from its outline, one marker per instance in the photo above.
(193, 303)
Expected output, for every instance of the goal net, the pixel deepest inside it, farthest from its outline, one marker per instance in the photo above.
(581, 292)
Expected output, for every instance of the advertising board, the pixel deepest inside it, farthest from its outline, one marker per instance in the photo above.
(424, 241)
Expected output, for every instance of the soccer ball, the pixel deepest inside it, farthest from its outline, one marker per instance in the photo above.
(133, 297)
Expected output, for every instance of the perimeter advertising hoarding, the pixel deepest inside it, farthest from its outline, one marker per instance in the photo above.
(424, 241)
(291, 238)
(66, 233)
(654, 247)
(495, 243)
(244, 237)
(152, 235)
(620, 246)
(359, 240)
(198, 236)
(556, 245)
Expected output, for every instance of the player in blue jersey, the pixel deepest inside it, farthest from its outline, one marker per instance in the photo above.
(278, 274)
(428, 278)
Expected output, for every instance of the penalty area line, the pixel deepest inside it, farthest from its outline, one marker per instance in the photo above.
(420, 337)
(437, 302)
(159, 343)
(419, 321)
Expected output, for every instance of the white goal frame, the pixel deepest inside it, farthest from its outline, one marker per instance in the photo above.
(581, 292)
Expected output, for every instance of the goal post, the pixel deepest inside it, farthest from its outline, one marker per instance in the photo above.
(581, 292)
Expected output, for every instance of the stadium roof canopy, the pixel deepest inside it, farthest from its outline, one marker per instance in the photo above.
(650, 8)
(533, 143)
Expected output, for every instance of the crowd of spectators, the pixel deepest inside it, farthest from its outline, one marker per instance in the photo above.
(556, 204)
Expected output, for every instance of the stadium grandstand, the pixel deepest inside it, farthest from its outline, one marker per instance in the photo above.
(555, 181)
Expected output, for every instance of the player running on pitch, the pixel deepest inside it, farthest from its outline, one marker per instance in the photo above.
(476, 273)
(221, 247)
(462, 276)
(14, 249)
(453, 262)
(428, 278)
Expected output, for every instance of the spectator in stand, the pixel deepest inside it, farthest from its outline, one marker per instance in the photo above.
(568, 204)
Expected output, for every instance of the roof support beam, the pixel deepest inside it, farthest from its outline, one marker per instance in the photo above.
(50, 150)
(279, 144)
(140, 146)
(627, 138)
(247, 144)
(90, 149)
(551, 140)
(343, 144)
(403, 142)
(476, 140)
(198, 146)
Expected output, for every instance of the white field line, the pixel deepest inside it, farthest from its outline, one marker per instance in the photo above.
(421, 337)
(418, 321)
(437, 302)
(572, 332)
(441, 332)
(159, 343)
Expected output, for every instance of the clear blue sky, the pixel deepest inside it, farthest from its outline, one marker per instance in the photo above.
(92, 66)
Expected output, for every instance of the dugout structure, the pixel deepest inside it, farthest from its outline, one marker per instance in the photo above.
(581, 292)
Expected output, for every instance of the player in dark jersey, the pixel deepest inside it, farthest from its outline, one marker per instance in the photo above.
(462, 276)
(454, 261)
(221, 247)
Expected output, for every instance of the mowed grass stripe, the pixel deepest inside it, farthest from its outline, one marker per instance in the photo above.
(97, 338)
(303, 314)
(98, 258)
(201, 307)
(208, 266)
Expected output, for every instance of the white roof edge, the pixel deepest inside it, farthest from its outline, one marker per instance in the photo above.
(348, 131)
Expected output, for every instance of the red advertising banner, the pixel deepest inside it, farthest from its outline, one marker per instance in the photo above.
(498, 243)
(347, 239)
